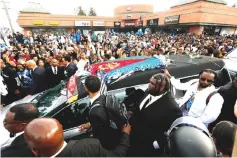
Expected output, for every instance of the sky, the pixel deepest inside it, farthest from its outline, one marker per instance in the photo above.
(102, 7)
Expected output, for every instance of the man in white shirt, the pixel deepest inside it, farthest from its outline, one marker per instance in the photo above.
(199, 101)
(83, 63)
(3, 91)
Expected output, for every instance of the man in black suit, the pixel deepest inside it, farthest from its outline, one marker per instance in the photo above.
(98, 117)
(8, 73)
(45, 138)
(153, 116)
(54, 73)
(70, 68)
(38, 77)
(15, 122)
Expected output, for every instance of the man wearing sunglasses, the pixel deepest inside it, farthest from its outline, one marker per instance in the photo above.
(15, 122)
(201, 99)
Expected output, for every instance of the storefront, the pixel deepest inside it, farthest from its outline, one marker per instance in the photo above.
(178, 19)
(153, 24)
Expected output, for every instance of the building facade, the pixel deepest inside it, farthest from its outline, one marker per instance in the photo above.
(195, 16)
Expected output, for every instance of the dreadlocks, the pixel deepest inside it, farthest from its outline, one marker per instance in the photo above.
(160, 78)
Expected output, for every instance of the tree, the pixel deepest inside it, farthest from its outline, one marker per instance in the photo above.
(92, 12)
(81, 12)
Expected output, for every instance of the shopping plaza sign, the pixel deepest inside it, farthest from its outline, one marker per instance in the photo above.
(82, 23)
(98, 23)
(172, 19)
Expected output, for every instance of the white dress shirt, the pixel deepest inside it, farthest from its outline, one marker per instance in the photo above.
(206, 113)
(6, 141)
(64, 145)
(53, 68)
(94, 98)
(153, 99)
(3, 87)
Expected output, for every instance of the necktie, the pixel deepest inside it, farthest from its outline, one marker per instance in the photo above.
(55, 72)
(146, 103)
(31, 73)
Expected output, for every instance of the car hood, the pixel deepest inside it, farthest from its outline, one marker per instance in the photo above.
(5, 135)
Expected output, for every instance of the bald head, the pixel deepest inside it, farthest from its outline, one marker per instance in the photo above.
(31, 64)
(54, 62)
(44, 136)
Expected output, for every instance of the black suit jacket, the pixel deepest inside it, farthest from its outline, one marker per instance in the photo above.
(54, 79)
(150, 124)
(18, 148)
(39, 80)
(99, 121)
(9, 75)
(70, 70)
(91, 147)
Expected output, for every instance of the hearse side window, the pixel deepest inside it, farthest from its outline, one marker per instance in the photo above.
(73, 114)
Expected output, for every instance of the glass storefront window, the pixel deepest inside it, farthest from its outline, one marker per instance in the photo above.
(55, 31)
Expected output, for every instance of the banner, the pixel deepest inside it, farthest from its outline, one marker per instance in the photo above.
(109, 66)
(72, 89)
(82, 23)
(172, 19)
(98, 23)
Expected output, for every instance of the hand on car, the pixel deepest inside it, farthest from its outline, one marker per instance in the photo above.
(27, 96)
(166, 73)
(85, 126)
(127, 128)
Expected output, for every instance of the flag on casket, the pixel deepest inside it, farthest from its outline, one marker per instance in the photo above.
(115, 64)
(72, 89)
(116, 74)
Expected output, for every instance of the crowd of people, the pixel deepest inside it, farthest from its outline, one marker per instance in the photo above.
(50, 55)
(32, 65)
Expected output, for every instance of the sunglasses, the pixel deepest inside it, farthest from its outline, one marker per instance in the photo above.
(204, 79)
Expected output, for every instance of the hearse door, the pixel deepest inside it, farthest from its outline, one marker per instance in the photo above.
(71, 117)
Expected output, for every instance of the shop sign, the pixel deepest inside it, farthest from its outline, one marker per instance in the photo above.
(129, 16)
(38, 22)
(117, 24)
(172, 19)
(82, 23)
(98, 23)
(130, 24)
(152, 22)
(140, 23)
(55, 23)
(129, 8)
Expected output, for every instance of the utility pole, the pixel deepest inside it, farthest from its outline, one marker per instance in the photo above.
(8, 16)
